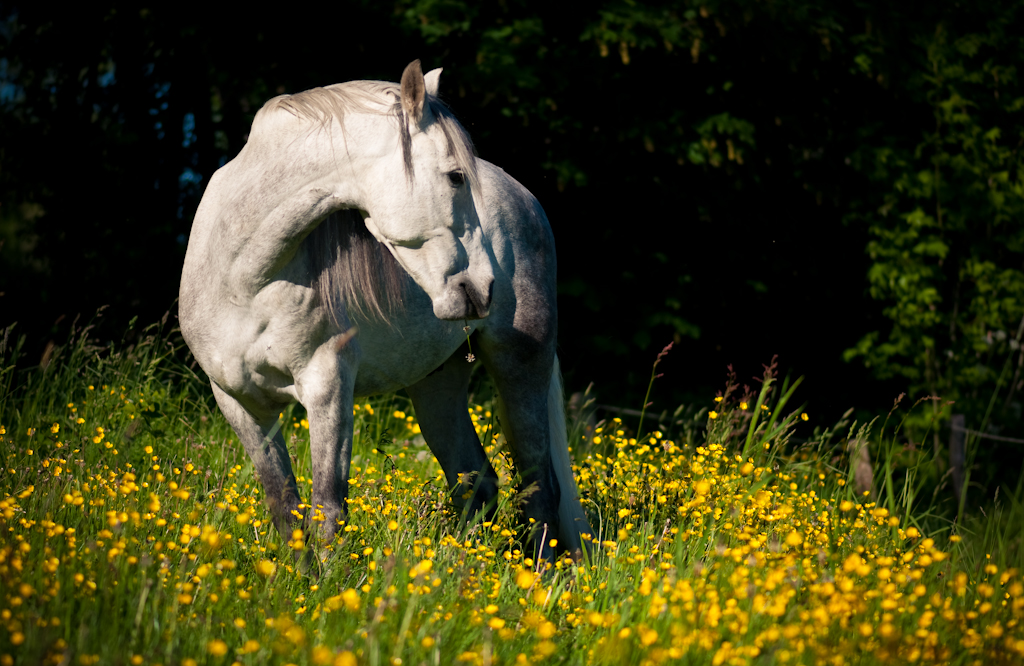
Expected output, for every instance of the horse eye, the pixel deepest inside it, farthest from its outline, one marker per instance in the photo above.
(410, 243)
(456, 178)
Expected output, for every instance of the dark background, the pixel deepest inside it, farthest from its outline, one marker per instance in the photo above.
(618, 117)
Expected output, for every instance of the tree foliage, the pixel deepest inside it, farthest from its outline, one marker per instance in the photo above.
(947, 239)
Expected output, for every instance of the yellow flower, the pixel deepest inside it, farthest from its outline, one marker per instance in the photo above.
(322, 655)
(266, 568)
(217, 648)
(524, 578)
(852, 562)
(712, 414)
(297, 541)
(351, 599)
(345, 658)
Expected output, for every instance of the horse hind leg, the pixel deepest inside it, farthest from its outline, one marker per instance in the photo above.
(440, 401)
(265, 446)
(572, 520)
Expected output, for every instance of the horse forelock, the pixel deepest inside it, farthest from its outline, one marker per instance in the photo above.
(460, 146)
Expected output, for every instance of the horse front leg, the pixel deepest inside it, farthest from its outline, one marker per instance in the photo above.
(440, 401)
(326, 393)
(261, 437)
(521, 368)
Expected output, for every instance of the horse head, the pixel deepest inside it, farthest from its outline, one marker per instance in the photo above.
(419, 203)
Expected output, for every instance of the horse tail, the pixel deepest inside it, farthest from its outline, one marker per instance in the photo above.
(572, 521)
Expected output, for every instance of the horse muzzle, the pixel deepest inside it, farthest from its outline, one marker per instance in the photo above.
(463, 299)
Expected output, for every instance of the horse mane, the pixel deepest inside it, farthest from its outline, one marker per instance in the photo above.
(322, 105)
(352, 270)
(350, 267)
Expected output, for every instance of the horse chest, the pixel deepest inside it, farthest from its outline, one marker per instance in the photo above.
(391, 358)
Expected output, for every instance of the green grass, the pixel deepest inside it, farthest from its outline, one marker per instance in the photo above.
(134, 533)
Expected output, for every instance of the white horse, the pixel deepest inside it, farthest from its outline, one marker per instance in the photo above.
(296, 287)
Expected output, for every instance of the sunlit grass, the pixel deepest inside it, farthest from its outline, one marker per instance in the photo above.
(134, 532)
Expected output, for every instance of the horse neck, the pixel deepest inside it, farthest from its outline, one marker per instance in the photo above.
(273, 195)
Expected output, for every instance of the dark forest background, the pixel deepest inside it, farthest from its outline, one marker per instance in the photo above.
(838, 183)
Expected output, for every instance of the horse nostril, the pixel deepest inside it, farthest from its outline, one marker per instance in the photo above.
(477, 306)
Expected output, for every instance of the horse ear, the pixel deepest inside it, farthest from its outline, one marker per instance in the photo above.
(413, 92)
(431, 79)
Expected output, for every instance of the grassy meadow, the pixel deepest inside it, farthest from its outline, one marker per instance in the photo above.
(134, 532)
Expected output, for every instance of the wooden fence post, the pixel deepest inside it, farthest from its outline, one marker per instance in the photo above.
(860, 461)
